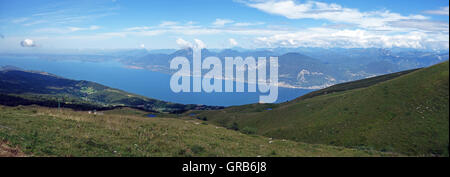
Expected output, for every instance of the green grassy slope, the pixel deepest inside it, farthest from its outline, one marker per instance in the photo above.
(408, 114)
(355, 84)
(40, 131)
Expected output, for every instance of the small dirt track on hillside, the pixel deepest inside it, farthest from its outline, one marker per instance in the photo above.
(8, 151)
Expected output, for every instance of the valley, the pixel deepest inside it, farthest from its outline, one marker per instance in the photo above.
(398, 114)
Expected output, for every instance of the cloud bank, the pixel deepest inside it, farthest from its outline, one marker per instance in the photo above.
(233, 42)
(327, 25)
(441, 11)
(183, 44)
(199, 44)
(222, 22)
(383, 29)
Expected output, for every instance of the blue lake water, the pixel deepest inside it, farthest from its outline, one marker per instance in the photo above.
(143, 82)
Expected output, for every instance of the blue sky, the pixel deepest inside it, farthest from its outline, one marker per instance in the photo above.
(156, 24)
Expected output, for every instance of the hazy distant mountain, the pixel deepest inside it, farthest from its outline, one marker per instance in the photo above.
(299, 67)
(302, 71)
(312, 67)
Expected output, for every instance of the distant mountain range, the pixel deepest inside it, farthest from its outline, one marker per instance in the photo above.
(20, 87)
(311, 68)
(308, 68)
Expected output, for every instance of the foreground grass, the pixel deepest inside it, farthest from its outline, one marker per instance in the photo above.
(40, 131)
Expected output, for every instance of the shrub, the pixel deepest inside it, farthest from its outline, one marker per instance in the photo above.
(249, 130)
(234, 126)
(273, 153)
(196, 149)
(181, 152)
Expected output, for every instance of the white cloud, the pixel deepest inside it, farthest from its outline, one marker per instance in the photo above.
(66, 29)
(168, 23)
(94, 27)
(142, 46)
(190, 29)
(396, 34)
(183, 44)
(19, 20)
(440, 11)
(248, 24)
(73, 29)
(383, 28)
(222, 22)
(332, 12)
(35, 22)
(27, 43)
(190, 23)
(425, 25)
(233, 42)
(358, 38)
(199, 44)
(69, 13)
(198, 30)
(345, 27)
(139, 28)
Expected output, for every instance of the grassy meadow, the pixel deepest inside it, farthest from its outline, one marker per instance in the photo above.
(41, 131)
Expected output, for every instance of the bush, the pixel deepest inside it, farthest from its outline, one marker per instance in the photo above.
(196, 149)
(204, 118)
(234, 126)
(249, 130)
(273, 153)
(181, 152)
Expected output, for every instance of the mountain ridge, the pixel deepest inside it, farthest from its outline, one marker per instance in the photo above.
(407, 114)
(47, 89)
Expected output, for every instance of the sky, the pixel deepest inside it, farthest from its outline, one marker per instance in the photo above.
(33, 25)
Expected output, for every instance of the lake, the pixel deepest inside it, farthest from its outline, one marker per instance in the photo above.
(143, 82)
